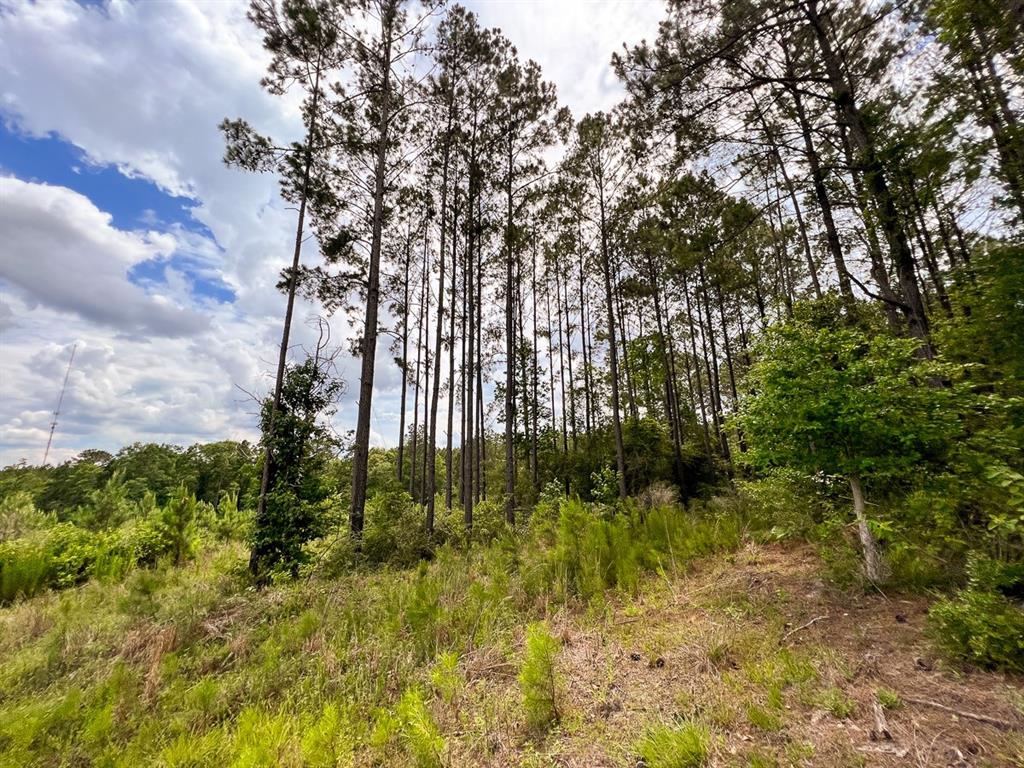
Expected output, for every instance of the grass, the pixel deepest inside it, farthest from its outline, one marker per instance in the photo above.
(189, 666)
(686, 745)
(889, 699)
(687, 664)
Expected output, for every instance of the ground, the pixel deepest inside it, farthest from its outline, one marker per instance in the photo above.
(755, 647)
(785, 669)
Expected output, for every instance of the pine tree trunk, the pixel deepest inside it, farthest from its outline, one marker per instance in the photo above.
(835, 246)
(568, 352)
(620, 453)
(696, 362)
(671, 409)
(630, 383)
(361, 451)
(561, 362)
(413, 464)
(430, 448)
(510, 352)
(481, 462)
(812, 268)
(405, 358)
(468, 403)
(448, 463)
(535, 374)
(588, 385)
(716, 390)
(874, 176)
(267, 474)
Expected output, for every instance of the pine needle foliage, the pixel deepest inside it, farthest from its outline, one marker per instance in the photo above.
(538, 678)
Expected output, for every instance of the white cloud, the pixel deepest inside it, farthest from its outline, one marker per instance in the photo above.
(573, 41)
(61, 251)
(142, 86)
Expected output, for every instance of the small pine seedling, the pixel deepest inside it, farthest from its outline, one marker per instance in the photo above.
(538, 677)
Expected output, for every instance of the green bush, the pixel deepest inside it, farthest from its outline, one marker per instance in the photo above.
(395, 530)
(178, 524)
(64, 554)
(984, 623)
(980, 627)
(538, 677)
(683, 746)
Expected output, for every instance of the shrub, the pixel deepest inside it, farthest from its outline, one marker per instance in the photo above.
(980, 627)
(593, 552)
(178, 524)
(538, 677)
(24, 569)
(604, 485)
(889, 699)
(445, 677)
(328, 742)
(682, 746)
(984, 623)
(395, 532)
(65, 554)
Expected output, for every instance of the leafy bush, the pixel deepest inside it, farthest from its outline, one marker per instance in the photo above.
(604, 485)
(65, 554)
(683, 746)
(538, 677)
(984, 623)
(395, 530)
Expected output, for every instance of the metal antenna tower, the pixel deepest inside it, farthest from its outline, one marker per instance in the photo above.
(60, 402)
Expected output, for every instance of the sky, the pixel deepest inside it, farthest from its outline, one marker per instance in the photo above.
(123, 234)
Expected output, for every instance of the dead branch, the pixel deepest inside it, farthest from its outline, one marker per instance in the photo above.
(1004, 724)
(810, 623)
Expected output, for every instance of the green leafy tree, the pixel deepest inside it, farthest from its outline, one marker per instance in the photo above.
(299, 443)
(831, 392)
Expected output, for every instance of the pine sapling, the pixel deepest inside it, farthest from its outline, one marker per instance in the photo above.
(539, 678)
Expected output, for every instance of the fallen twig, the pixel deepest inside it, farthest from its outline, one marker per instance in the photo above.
(1005, 724)
(884, 749)
(812, 622)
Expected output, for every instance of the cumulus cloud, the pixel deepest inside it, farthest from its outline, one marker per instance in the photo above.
(573, 41)
(61, 251)
(141, 86)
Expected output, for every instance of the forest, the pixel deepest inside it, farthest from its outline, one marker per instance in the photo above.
(711, 448)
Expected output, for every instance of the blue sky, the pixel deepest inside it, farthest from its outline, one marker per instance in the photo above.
(124, 232)
(132, 201)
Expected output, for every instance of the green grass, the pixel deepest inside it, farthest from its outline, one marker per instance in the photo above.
(190, 666)
(837, 703)
(889, 699)
(686, 745)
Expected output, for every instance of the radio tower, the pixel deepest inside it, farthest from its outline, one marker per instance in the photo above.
(60, 402)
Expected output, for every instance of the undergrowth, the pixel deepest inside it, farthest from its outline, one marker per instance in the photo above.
(188, 666)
